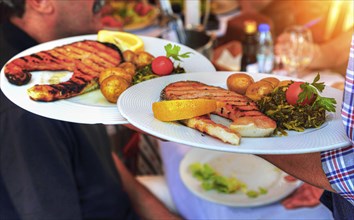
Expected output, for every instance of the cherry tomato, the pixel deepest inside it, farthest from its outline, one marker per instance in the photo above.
(292, 94)
(162, 66)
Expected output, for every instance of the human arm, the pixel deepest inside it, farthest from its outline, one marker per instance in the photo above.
(306, 167)
(142, 200)
(332, 53)
(328, 55)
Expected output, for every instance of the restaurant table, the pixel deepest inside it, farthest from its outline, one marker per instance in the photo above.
(190, 206)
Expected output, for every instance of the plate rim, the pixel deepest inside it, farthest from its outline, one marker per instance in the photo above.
(289, 187)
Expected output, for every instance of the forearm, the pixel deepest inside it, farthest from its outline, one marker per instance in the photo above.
(333, 53)
(145, 204)
(306, 167)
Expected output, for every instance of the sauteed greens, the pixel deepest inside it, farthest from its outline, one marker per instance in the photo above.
(297, 117)
(145, 73)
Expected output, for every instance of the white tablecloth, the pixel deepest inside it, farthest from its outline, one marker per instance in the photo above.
(192, 207)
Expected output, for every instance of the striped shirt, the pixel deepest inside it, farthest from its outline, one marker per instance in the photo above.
(338, 164)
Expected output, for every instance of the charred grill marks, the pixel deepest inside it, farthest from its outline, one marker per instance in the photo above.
(86, 59)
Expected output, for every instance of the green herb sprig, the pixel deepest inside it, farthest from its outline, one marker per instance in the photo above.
(173, 51)
(314, 89)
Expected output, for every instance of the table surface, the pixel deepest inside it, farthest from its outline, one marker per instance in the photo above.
(193, 207)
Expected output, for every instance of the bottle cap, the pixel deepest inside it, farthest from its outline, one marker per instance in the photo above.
(263, 28)
(250, 26)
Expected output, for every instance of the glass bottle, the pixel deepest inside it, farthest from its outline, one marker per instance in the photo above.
(265, 52)
(249, 46)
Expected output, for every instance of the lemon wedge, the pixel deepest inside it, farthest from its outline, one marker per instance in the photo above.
(174, 110)
(123, 40)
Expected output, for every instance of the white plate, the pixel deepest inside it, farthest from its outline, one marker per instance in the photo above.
(135, 104)
(253, 171)
(92, 107)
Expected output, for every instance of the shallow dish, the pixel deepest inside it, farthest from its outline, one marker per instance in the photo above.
(252, 170)
(135, 104)
(92, 107)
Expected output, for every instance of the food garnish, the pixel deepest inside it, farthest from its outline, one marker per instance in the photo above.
(123, 40)
(175, 110)
(160, 66)
(173, 51)
(314, 89)
(212, 180)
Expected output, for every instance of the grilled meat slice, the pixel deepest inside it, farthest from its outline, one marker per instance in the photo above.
(206, 125)
(86, 59)
(238, 108)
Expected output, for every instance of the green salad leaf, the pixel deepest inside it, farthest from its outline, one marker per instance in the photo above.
(212, 180)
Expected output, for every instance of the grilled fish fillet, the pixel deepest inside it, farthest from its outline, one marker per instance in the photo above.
(206, 125)
(86, 59)
(248, 121)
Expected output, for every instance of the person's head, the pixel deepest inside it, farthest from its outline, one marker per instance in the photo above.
(52, 19)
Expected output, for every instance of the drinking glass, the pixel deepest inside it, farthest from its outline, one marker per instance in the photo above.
(297, 50)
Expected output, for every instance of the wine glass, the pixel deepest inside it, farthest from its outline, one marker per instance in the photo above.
(296, 50)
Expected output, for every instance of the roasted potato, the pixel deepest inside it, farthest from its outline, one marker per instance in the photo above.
(238, 82)
(274, 81)
(259, 89)
(129, 67)
(129, 56)
(143, 58)
(112, 87)
(284, 83)
(118, 71)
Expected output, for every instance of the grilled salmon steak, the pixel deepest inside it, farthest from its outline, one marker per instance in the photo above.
(247, 120)
(86, 59)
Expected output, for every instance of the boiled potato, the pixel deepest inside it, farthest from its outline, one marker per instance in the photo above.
(238, 82)
(274, 81)
(259, 89)
(129, 67)
(284, 83)
(143, 58)
(118, 71)
(112, 87)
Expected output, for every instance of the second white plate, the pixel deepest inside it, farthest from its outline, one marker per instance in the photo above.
(92, 107)
(135, 104)
(252, 170)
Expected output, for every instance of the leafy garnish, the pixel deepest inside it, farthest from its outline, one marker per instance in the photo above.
(174, 52)
(314, 89)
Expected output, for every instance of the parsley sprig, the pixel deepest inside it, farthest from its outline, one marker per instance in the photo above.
(314, 89)
(174, 52)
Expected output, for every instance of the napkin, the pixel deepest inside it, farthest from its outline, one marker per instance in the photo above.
(227, 57)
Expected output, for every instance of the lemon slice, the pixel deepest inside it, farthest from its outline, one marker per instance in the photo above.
(123, 40)
(174, 110)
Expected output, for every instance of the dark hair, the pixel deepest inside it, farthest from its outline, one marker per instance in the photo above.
(9, 8)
